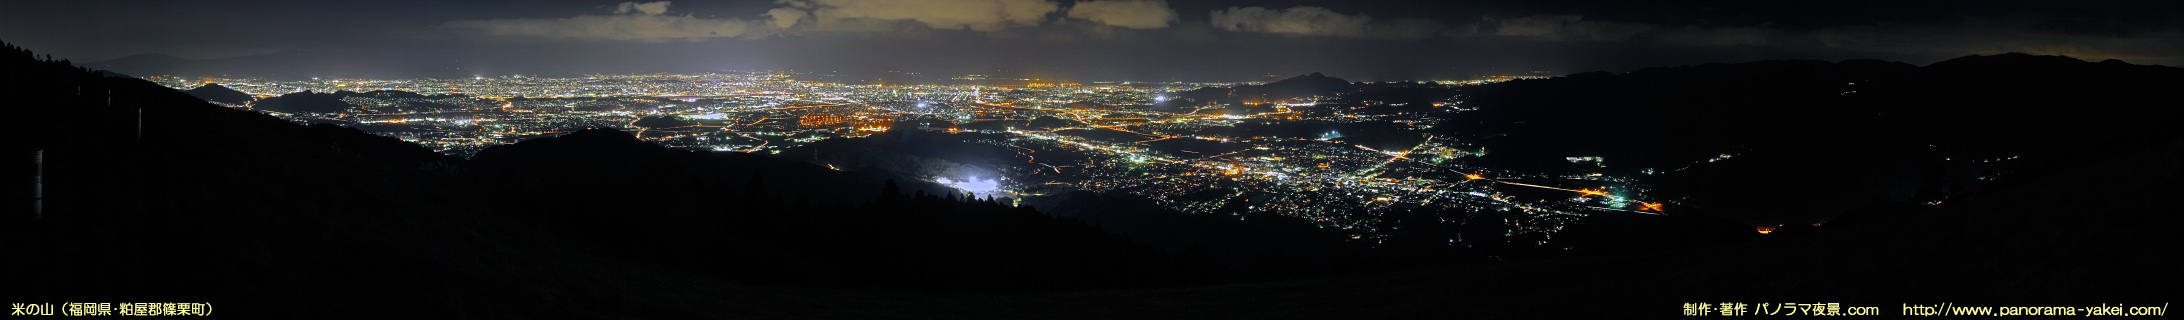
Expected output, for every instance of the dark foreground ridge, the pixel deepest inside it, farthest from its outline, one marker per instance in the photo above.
(242, 209)
(1813, 141)
(266, 218)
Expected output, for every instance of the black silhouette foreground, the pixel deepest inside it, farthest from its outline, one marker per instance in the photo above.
(149, 194)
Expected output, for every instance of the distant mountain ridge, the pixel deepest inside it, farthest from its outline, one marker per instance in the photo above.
(305, 102)
(1877, 131)
(320, 102)
(216, 93)
(286, 65)
(1305, 85)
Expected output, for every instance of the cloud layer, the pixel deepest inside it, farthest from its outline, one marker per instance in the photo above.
(1316, 21)
(2082, 35)
(980, 15)
(647, 8)
(1125, 13)
(632, 22)
(1565, 27)
(1576, 28)
(1298, 20)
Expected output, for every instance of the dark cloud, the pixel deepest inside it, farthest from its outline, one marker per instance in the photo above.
(1727, 36)
(649, 8)
(1577, 28)
(1125, 13)
(1299, 20)
(1564, 27)
(1317, 21)
(631, 21)
(980, 15)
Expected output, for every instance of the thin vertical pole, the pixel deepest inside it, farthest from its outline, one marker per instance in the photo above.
(37, 184)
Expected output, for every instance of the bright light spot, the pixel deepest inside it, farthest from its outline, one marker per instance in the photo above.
(1473, 176)
(973, 185)
(709, 116)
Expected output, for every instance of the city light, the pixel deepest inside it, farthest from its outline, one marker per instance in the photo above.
(1110, 144)
(973, 185)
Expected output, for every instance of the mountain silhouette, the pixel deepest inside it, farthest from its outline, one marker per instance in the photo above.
(1314, 84)
(290, 65)
(146, 63)
(270, 210)
(662, 122)
(1307, 85)
(306, 102)
(216, 93)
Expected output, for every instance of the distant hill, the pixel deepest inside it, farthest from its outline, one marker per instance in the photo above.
(663, 122)
(910, 152)
(287, 65)
(1314, 84)
(306, 102)
(1835, 135)
(399, 94)
(147, 64)
(216, 93)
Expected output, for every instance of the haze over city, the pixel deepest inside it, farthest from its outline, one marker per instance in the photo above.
(1090, 159)
(1079, 40)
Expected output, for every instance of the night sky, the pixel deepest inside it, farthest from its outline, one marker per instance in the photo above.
(1087, 40)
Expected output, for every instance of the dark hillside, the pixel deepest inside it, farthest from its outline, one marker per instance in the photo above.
(306, 102)
(263, 217)
(2081, 239)
(216, 93)
(1804, 141)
